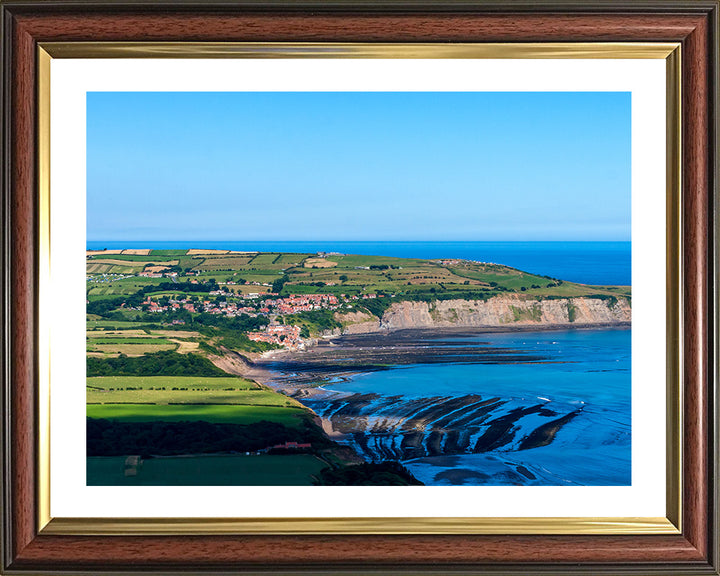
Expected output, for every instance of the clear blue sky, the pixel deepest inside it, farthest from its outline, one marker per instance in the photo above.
(358, 166)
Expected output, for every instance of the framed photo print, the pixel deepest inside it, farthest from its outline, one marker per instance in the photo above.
(359, 287)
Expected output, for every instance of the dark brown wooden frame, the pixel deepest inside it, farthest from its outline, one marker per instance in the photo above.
(27, 23)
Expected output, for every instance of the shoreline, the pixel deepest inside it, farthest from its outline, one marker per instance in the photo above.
(261, 370)
(331, 339)
(344, 415)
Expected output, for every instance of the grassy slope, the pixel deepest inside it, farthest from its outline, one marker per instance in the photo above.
(169, 382)
(187, 390)
(220, 413)
(237, 400)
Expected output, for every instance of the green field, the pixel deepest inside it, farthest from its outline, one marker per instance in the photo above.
(113, 324)
(289, 259)
(223, 263)
(155, 253)
(172, 390)
(135, 258)
(118, 287)
(228, 413)
(195, 382)
(234, 470)
(150, 346)
(130, 342)
(176, 398)
(100, 338)
(246, 398)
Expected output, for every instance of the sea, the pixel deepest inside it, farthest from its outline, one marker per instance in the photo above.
(577, 385)
(584, 262)
(562, 420)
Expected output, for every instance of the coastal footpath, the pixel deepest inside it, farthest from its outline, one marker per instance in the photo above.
(499, 311)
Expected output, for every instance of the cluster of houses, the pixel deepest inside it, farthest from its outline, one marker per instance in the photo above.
(212, 307)
(302, 303)
(288, 305)
(105, 277)
(150, 273)
(281, 334)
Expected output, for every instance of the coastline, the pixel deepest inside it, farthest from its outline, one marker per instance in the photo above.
(262, 367)
(485, 426)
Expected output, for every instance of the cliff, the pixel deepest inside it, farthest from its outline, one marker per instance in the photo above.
(511, 310)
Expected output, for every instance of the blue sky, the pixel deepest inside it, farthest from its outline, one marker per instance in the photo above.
(358, 166)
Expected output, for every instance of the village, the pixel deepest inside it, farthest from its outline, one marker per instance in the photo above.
(270, 305)
(292, 304)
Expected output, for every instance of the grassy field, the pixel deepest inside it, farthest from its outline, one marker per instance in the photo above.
(233, 470)
(177, 398)
(164, 259)
(92, 324)
(155, 253)
(130, 349)
(134, 340)
(173, 390)
(228, 413)
(120, 286)
(192, 383)
(288, 259)
(172, 397)
(223, 263)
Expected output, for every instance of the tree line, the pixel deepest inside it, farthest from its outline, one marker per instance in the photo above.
(163, 363)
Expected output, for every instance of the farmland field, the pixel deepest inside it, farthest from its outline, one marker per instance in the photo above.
(133, 342)
(112, 324)
(194, 382)
(223, 263)
(220, 413)
(154, 253)
(288, 259)
(231, 470)
(174, 390)
(165, 259)
(111, 348)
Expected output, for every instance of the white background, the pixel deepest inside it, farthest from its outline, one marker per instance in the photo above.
(65, 306)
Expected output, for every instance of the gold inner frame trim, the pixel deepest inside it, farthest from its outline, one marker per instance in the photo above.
(556, 50)
(674, 308)
(386, 525)
(43, 396)
(349, 526)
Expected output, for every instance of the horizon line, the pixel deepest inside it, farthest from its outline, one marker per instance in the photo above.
(356, 241)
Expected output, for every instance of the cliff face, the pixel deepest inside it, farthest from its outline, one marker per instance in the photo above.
(504, 311)
(358, 322)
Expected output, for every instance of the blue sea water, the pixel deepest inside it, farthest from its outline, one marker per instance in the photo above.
(588, 369)
(584, 262)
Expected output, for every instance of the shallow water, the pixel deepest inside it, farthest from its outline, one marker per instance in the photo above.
(562, 420)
